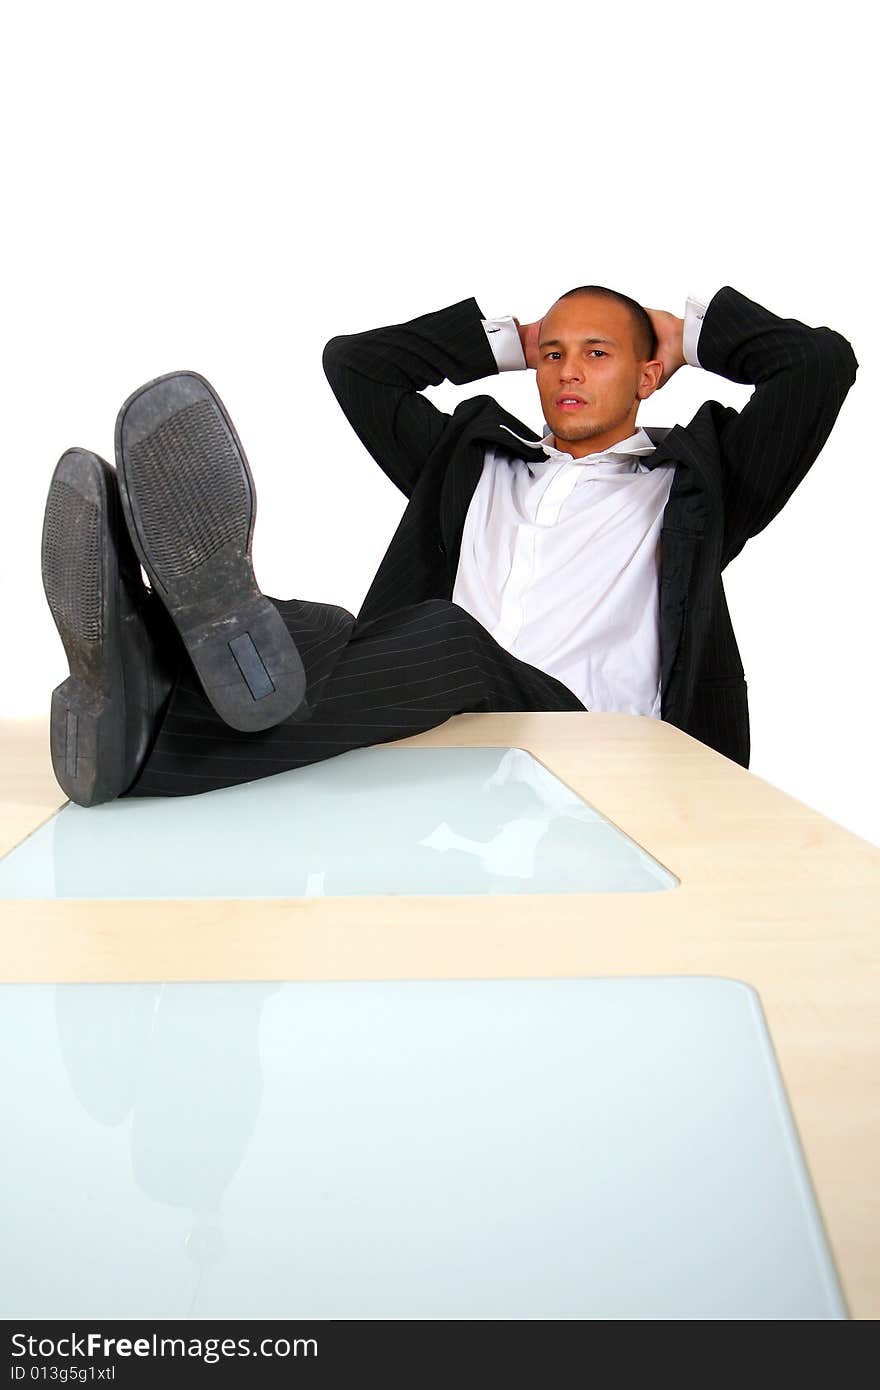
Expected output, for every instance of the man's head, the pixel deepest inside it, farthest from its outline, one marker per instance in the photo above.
(596, 364)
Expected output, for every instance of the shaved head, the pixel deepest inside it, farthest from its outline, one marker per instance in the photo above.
(643, 335)
(595, 364)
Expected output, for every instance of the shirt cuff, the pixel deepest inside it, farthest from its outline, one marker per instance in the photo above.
(503, 336)
(694, 313)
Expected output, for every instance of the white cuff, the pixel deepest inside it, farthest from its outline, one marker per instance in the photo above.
(695, 310)
(503, 336)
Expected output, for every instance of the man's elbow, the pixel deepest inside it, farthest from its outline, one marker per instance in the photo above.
(852, 362)
(839, 352)
(333, 358)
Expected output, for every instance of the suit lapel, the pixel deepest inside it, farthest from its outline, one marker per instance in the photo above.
(694, 498)
(693, 502)
(482, 427)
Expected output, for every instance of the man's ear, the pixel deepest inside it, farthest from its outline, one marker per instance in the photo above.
(651, 373)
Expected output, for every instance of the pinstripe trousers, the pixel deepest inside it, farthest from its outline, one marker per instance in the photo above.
(366, 683)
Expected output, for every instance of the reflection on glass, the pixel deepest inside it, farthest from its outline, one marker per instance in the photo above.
(187, 1080)
(403, 821)
(606, 1149)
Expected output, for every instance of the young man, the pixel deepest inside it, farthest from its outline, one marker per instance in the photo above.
(581, 570)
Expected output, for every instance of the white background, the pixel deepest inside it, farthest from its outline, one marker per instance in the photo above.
(225, 187)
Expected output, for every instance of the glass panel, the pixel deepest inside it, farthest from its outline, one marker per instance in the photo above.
(446, 1149)
(407, 821)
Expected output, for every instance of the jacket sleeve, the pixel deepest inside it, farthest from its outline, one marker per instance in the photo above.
(377, 378)
(801, 377)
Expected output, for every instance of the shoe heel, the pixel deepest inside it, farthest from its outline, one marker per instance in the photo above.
(251, 671)
(84, 743)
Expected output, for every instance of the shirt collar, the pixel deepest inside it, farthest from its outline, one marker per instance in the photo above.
(635, 444)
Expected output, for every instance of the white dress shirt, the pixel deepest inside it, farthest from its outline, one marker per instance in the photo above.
(560, 559)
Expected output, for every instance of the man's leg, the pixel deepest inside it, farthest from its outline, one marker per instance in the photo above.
(261, 686)
(395, 676)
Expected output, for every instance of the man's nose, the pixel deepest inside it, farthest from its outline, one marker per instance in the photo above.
(569, 370)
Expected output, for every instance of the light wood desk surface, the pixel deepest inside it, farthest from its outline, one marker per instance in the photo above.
(771, 893)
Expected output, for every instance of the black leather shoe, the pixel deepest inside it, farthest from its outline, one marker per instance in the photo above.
(190, 504)
(104, 716)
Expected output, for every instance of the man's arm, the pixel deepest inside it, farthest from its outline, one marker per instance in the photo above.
(377, 378)
(801, 377)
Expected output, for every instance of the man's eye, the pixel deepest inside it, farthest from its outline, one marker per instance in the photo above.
(559, 354)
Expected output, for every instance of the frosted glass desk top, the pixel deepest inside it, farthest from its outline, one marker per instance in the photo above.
(556, 1148)
(406, 821)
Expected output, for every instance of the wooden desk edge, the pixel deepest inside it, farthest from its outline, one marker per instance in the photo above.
(802, 933)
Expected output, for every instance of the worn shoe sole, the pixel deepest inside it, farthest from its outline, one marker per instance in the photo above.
(190, 506)
(87, 730)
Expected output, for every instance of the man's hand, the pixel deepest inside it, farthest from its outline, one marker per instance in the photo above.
(529, 334)
(670, 342)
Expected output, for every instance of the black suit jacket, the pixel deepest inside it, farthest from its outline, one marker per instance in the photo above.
(734, 470)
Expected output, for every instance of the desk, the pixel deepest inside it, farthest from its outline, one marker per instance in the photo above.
(770, 893)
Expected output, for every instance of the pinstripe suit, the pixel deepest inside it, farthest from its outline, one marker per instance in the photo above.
(411, 659)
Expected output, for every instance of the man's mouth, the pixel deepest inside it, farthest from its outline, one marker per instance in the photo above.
(570, 402)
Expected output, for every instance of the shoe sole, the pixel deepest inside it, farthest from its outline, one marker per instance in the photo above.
(80, 573)
(190, 506)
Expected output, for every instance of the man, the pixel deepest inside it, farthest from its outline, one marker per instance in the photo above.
(581, 570)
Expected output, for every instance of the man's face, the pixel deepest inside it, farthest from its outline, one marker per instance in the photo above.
(589, 376)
